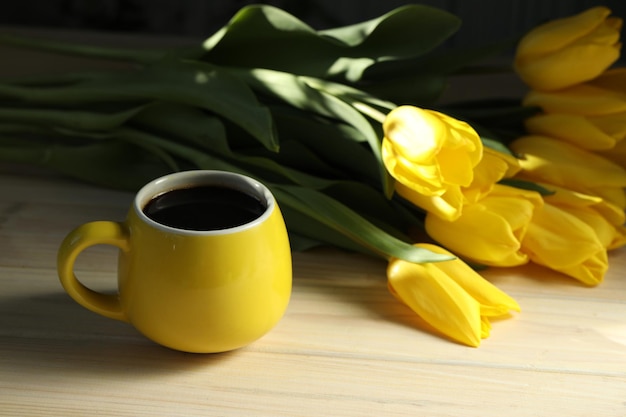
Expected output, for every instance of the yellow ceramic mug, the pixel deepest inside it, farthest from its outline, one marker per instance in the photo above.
(191, 290)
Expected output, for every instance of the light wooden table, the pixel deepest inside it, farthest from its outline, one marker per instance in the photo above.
(344, 348)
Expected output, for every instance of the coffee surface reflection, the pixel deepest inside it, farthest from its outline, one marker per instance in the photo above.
(204, 208)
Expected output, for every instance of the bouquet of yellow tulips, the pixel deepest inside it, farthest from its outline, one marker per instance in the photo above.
(344, 126)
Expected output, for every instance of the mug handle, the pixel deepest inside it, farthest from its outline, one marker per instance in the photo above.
(84, 236)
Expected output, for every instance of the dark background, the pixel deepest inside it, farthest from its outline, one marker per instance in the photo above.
(484, 20)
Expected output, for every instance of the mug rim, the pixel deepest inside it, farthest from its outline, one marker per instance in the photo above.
(192, 178)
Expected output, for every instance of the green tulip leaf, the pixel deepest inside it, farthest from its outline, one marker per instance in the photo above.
(207, 132)
(373, 205)
(426, 26)
(111, 164)
(297, 155)
(267, 37)
(195, 84)
(190, 124)
(142, 55)
(297, 92)
(68, 118)
(310, 233)
(330, 140)
(51, 80)
(339, 217)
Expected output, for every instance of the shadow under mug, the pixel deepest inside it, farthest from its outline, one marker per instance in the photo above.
(198, 291)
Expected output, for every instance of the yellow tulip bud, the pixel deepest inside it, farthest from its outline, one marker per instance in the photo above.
(569, 51)
(557, 162)
(592, 133)
(489, 231)
(590, 115)
(563, 242)
(605, 219)
(449, 295)
(582, 99)
(448, 205)
(428, 151)
(492, 168)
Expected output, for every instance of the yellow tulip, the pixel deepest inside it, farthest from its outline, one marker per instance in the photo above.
(492, 167)
(569, 51)
(563, 242)
(448, 205)
(428, 151)
(617, 154)
(557, 162)
(605, 219)
(450, 296)
(583, 99)
(593, 133)
(489, 231)
(590, 115)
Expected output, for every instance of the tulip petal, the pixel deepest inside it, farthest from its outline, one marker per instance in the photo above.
(606, 33)
(429, 151)
(569, 198)
(617, 154)
(456, 167)
(463, 137)
(613, 124)
(494, 302)
(448, 205)
(569, 51)
(591, 271)
(575, 129)
(556, 162)
(485, 328)
(612, 213)
(619, 239)
(414, 133)
(568, 67)
(493, 167)
(611, 194)
(487, 232)
(605, 219)
(583, 99)
(558, 33)
(607, 234)
(563, 242)
(449, 295)
(423, 178)
(437, 299)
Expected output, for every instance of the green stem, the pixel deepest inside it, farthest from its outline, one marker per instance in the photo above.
(369, 111)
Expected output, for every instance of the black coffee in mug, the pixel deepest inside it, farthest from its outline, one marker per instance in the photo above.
(207, 207)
